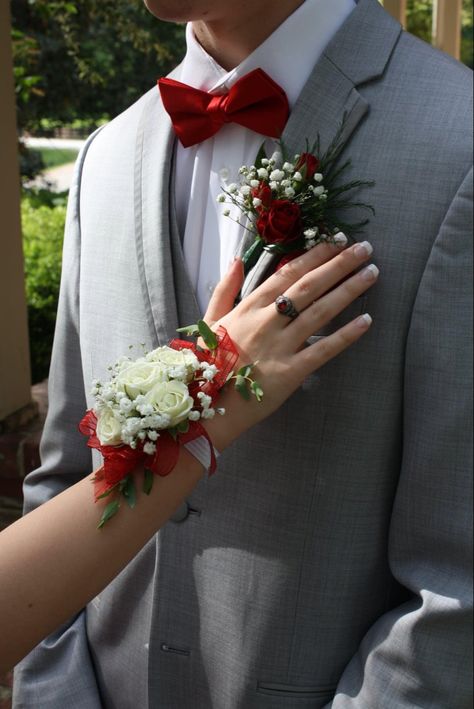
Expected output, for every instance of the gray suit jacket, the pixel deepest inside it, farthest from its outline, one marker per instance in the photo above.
(328, 561)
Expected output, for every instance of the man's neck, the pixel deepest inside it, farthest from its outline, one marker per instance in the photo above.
(230, 40)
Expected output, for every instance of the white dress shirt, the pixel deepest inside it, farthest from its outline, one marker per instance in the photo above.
(210, 240)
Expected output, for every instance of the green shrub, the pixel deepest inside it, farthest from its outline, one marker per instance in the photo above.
(31, 162)
(43, 216)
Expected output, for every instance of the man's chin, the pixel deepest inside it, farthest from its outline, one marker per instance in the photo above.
(180, 10)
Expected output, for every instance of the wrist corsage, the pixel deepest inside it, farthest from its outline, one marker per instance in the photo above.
(153, 405)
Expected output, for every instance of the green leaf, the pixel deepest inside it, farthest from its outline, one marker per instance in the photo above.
(245, 371)
(110, 510)
(123, 484)
(191, 330)
(252, 254)
(207, 335)
(241, 387)
(257, 391)
(260, 155)
(129, 492)
(148, 481)
(183, 426)
(107, 493)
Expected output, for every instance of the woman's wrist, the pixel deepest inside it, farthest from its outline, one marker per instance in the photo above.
(224, 430)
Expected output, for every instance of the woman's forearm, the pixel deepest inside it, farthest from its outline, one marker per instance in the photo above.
(55, 560)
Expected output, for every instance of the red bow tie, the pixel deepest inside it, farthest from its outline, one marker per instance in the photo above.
(255, 101)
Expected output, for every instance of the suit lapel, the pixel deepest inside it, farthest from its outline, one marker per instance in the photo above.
(337, 103)
(167, 292)
(154, 147)
(358, 53)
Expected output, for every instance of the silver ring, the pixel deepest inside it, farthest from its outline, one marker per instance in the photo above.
(284, 306)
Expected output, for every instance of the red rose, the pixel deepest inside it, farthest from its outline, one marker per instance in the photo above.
(307, 165)
(264, 193)
(281, 223)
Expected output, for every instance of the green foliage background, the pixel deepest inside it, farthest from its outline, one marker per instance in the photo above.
(419, 23)
(87, 60)
(43, 215)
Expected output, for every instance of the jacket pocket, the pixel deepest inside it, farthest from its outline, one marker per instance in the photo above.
(292, 691)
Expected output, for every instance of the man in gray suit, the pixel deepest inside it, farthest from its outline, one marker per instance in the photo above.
(328, 563)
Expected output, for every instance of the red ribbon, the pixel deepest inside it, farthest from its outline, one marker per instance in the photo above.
(255, 101)
(120, 461)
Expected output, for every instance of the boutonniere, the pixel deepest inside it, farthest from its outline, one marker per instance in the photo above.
(291, 204)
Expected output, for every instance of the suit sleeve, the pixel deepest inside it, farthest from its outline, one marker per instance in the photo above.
(420, 654)
(59, 672)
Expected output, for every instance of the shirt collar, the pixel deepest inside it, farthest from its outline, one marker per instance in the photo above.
(288, 55)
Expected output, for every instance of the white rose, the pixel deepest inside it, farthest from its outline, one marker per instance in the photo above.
(176, 358)
(171, 398)
(108, 428)
(140, 377)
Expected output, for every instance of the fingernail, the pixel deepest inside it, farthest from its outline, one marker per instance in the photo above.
(370, 273)
(340, 239)
(363, 249)
(364, 320)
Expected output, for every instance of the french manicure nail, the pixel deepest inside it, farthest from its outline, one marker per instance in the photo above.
(364, 320)
(363, 249)
(370, 273)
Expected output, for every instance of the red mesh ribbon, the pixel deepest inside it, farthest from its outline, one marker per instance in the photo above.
(167, 449)
(225, 357)
(120, 461)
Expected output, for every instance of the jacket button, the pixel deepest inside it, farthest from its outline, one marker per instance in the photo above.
(181, 513)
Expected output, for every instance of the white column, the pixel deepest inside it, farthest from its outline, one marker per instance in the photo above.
(15, 379)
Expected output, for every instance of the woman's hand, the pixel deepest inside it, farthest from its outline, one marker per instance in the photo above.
(40, 591)
(320, 286)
